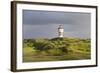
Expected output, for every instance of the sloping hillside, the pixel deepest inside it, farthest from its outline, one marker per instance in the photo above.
(56, 49)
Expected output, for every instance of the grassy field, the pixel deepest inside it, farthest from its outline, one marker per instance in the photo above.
(56, 49)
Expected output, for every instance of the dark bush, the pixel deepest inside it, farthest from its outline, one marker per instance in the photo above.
(63, 49)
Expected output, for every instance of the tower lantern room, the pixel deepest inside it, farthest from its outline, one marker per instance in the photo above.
(60, 31)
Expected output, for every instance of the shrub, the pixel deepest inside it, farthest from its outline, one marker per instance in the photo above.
(63, 49)
(58, 46)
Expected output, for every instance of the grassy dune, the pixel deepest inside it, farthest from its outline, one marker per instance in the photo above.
(56, 49)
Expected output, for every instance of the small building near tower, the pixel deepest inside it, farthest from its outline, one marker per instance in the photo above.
(60, 31)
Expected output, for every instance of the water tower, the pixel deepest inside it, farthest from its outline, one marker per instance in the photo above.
(60, 31)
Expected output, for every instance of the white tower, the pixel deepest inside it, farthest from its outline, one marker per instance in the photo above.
(60, 31)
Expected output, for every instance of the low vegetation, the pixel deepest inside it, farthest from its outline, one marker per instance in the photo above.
(35, 50)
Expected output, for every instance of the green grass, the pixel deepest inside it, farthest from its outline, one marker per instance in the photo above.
(51, 50)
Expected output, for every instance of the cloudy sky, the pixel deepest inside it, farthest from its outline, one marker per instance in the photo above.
(44, 24)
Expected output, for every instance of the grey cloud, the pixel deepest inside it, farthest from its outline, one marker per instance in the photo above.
(38, 24)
